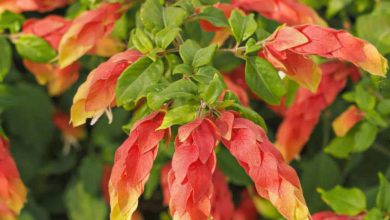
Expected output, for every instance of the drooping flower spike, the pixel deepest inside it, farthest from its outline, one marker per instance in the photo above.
(304, 113)
(57, 80)
(133, 163)
(343, 123)
(275, 180)
(193, 165)
(290, 12)
(287, 49)
(71, 135)
(12, 190)
(86, 31)
(97, 94)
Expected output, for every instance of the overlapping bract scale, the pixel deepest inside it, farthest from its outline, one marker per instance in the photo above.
(86, 31)
(275, 180)
(289, 47)
(97, 94)
(133, 162)
(291, 12)
(303, 115)
(193, 165)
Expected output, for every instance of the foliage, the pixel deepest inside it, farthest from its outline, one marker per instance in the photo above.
(187, 109)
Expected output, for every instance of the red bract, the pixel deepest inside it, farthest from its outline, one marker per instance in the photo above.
(275, 180)
(327, 215)
(290, 12)
(222, 207)
(97, 94)
(18, 6)
(287, 49)
(246, 210)
(343, 123)
(133, 163)
(41, 5)
(85, 32)
(193, 165)
(303, 115)
(12, 190)
(57, 80)
(50, 28)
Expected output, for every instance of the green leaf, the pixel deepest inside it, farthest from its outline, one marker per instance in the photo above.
(174, 16)
(214, 89)
(82, 205)
(141, 41)
(187, 51)
(60, 165)
(213, 15)
(179, 89)
(250, 114)
(166, 36)
(208, 2)
(28, 120)
(136, 79)
(230, 167)
(383, 196)
(179, 115)
(205, 74)
(384, 107)
(183, 68)
(204, 56)
(374, 214)
(151, 15)
(242, 26)
(376, 119)
(364, 99)
(35, 49)
(90, 173)
(344, 201)
(263, 79)
(365, 137)
(320, 171)
(334, 6)
(367, 27)
(251, 46)
(6, 59)
(11, 21)
(341, 147)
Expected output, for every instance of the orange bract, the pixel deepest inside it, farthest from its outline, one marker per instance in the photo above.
(342, 124)
(12, 190)
(193, 165)
(275, 180)
(86, 31)
(303, 115)
(97, 94)
(291, 12)
(133, 162)
(287, 49)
